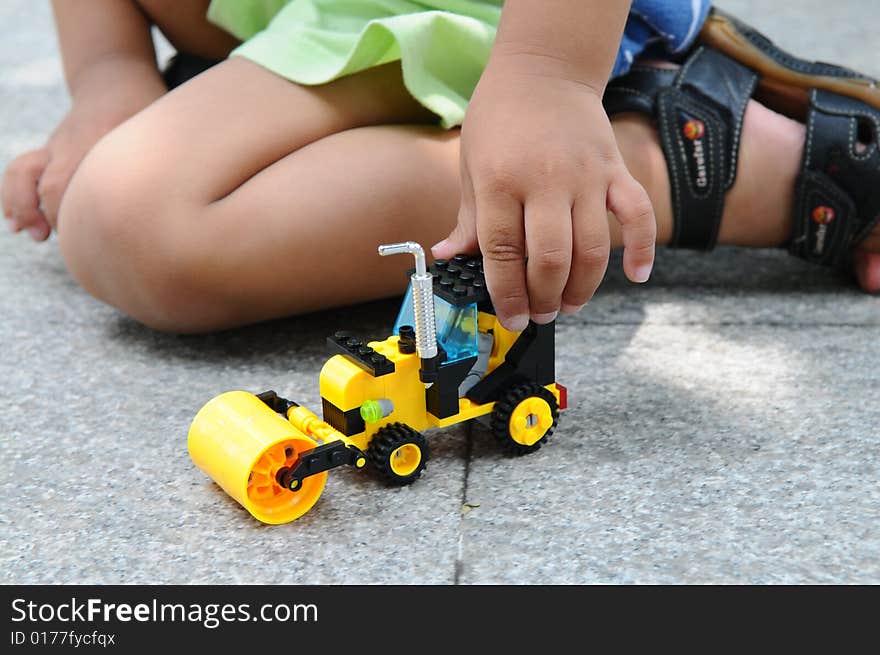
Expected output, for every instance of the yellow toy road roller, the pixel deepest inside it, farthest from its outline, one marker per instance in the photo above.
(448, 360)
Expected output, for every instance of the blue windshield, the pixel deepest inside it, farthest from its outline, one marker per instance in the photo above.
(456, 329)
(456, 326)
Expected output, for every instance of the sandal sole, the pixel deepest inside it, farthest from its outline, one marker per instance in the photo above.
(725, 33)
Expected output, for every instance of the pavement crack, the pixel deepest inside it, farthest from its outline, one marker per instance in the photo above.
(468, 454)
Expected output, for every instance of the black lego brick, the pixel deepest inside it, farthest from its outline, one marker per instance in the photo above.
(347, 422)
(460, 281)
(441, 398)
(361, 354)
(530, 359)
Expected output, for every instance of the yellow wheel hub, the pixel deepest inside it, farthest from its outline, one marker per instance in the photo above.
(405, 459)
(271, 498)
(530, 421)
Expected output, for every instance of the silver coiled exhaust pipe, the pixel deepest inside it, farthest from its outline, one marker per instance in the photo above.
(423, 305)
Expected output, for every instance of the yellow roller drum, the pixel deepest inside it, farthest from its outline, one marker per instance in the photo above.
(241, 444)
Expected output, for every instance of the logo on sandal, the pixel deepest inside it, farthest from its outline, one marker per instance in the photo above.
(696, 147)
(822, 216)
(694, 130)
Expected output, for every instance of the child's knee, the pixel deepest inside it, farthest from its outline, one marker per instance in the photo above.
(124, 240)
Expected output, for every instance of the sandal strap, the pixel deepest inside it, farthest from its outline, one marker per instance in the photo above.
(637, 90)
(836, 202)
(699, 111)
(772, 51)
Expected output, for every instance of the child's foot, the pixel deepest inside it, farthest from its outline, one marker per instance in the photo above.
(758, 208)
(735, 172)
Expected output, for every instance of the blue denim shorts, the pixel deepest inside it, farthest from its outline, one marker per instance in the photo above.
(659, 29)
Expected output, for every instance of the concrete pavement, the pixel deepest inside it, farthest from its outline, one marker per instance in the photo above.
(724, 420)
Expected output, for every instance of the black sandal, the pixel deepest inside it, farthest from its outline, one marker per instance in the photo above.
(699, 111)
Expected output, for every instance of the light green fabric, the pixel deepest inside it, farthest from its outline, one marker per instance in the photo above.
(443, 45)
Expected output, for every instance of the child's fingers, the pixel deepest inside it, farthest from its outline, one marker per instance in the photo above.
(50, 189)
(499, 221)
(630, 204)
(39, 231)
(463, 238)
(21, 204)
(548, 242)
(591, 247)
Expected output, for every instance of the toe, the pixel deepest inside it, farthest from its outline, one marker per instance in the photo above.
(867, 265)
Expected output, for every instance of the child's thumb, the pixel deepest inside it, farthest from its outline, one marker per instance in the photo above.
(463, 239)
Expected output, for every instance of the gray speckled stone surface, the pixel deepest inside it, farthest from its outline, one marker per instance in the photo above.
(724, 427)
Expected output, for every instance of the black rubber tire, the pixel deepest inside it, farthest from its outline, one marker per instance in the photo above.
(500, 422)
(386, 441)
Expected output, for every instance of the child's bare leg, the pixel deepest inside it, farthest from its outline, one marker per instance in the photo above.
(190, 219)
(144, 225)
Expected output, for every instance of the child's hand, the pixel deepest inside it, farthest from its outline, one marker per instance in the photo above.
(35, 181)
(540, 169)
